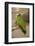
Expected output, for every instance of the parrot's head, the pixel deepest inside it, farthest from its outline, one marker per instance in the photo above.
(18, 15)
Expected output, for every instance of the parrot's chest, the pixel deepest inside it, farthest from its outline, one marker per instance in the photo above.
(21, 22)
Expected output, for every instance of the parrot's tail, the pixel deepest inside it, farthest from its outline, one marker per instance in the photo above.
(24, 31)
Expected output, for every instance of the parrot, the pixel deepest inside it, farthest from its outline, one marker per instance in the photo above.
(21, 22)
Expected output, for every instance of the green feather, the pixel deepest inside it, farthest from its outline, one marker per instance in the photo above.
(21, 22)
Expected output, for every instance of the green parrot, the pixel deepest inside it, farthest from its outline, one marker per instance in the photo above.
(21, 22)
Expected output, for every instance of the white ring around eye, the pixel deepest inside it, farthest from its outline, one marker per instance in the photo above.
(17, 14)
